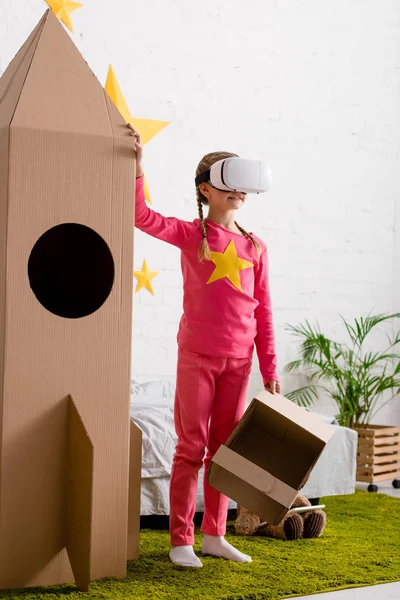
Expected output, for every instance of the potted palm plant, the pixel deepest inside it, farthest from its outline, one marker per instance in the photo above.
(356, 379)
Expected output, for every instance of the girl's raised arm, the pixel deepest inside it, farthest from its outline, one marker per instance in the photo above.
(169, 229)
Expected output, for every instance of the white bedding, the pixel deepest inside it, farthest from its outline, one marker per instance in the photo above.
(334, 473)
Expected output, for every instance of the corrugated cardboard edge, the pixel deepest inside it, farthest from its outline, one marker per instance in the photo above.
(135, 472)
(246, 495)
(11, 85)
(79, 498)
(4, 159)
(256, 476)
(307, 420)
(14, 77)
(123, 146)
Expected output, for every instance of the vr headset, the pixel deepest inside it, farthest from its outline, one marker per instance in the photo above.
(237, 175)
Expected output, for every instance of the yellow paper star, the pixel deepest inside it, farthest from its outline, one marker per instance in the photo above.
(227, 264)
(144, 278)
(146, 191)
(148, 128)
(63, 9)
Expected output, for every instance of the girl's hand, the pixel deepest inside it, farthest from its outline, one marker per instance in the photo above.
(139, 150)
(273, 386)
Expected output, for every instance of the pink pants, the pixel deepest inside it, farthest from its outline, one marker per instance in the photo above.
(209, 402)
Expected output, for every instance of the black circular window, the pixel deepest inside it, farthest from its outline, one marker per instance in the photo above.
(71, 270)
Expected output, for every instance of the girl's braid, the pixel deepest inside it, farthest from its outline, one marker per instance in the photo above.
(204, 250)
(204, 164)
(249, 237)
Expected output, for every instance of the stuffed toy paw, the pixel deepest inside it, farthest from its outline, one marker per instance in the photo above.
(292, 527)
(247, 523)
(314, 521)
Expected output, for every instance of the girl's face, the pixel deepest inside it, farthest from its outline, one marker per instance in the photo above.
(222, 201)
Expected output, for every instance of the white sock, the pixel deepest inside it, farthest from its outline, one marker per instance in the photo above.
(184, 556)
(216, 545)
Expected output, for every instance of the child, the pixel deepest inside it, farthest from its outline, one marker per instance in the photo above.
(226, 309)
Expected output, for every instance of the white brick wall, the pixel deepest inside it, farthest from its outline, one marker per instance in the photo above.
(313, 86)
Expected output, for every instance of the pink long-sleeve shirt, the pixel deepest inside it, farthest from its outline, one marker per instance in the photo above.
(226, 302)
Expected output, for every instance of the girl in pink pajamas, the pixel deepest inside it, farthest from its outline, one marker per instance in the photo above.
(226, 310)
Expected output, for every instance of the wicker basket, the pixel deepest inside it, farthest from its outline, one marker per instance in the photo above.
(378, 453)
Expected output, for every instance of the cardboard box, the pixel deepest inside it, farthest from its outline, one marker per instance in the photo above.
(135, 480)
(269, 456)
(67, 185)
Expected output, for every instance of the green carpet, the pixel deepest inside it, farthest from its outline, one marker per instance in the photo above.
(360, 546)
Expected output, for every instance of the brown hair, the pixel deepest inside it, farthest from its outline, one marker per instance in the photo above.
(204, 165)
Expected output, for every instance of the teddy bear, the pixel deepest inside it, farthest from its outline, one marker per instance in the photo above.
(292, 527)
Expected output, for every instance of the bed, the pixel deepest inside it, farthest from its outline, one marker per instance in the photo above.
(334, 473)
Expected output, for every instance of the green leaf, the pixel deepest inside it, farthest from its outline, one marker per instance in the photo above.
(365, 325)
(304, 396)
(357, 380)
(294, 366)
(372, 358)
(350, 330)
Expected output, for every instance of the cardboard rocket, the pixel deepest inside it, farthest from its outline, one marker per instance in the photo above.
(67, 178)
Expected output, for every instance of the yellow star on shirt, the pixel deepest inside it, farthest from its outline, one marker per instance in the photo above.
(227, 264)
(63, 9)
(144, 278)
(148, 128)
